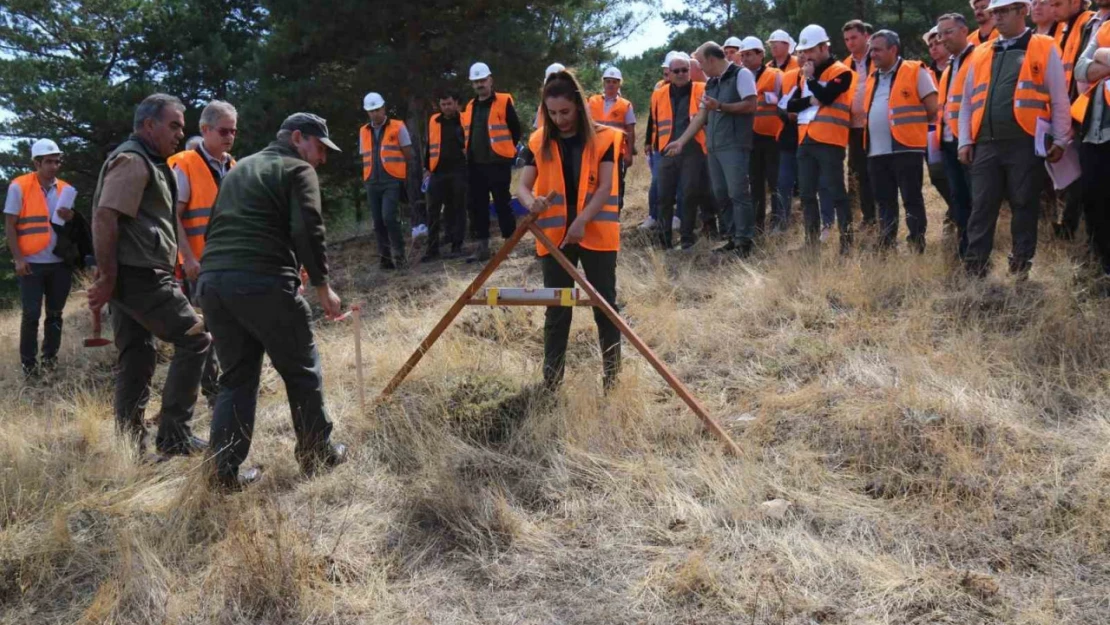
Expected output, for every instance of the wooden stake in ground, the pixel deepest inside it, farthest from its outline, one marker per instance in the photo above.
(467, 299)
(358, 359)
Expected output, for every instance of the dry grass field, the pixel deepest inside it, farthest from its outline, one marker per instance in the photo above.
(944, 445)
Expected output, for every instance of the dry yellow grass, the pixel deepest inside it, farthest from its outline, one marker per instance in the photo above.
(945, 444)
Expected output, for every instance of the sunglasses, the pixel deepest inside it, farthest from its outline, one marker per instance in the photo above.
(680, 71)
(227, 132)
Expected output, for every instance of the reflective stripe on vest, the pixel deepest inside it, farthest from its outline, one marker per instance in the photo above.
(393, 158)
(614, 118)
(767, 121)
(603, 231)
(500, 139)
(906, 114)
(1031, 100)
(663, 117)
(202, 197)
(1081, 108)
(32, 227)
(833, 120)
(434, 138)
(948, 108)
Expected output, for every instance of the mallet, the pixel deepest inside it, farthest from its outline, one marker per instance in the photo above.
(96, 340)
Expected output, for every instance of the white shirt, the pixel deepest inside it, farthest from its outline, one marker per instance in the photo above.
(14, 205)
(629, 117)
(184, 191)
(745, 83)
(1059, 104)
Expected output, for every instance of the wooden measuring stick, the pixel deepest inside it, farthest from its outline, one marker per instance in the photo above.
(357, 310)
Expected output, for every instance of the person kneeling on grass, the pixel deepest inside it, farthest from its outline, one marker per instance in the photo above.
(570, 177)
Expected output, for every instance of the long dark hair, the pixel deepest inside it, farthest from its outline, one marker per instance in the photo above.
(564, 85)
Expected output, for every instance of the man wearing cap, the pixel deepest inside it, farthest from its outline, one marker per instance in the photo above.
(727, 112)
(1072, 17)
(445, 177)
(135, 238)
(654, 158)
(610, 109)
(198, 173)
(492, 131)
(823, 122)
(732, 49)
(938, 56)
(900, 98)
(764, 170)
(953, 31)
(1012, 85)
(985, 21)
(386, 150)
(36, 202)
(266, 223)
(856, 36)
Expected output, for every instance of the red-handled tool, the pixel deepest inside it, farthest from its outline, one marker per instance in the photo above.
(96, 340)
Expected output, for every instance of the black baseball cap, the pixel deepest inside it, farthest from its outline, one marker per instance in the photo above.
(311, 125)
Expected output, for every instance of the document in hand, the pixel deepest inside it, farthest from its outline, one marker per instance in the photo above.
(1066, 170)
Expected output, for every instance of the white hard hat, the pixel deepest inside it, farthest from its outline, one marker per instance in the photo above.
(731, 42)
(44, 147)
(783, 37)
(612, 72)
(551, 69)
(373, 101)
(667, 59)
(679, 56)
(1003, 3)
(478, 71)
(928, 37)
(751, 43)
(812, 36)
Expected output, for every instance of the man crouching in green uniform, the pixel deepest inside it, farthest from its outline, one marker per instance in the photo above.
(266, 223)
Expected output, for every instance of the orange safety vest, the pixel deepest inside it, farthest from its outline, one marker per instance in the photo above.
(767, 121)
(1070, 41)
(1081, 108)
(393, 159)
(614, 118)
(833, 120)
(501, 140)
(32, 227)
(948, 109)
(202, 197)
(977, 40)
(1031, 100)
(663, 117)
(905, 112)
(434, 136)
(603, 233)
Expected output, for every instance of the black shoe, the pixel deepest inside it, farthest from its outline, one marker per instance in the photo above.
(1020, 268)
(387, 264)
(31, 371)
(456, 250)
(1062, 232)
(481, 252)
(687, 245)
(335, 455)
(191, 446)
(726, 248)
(49, 365)
(431, 255)
(237, 482)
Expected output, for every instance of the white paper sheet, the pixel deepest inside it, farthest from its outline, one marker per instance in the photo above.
(1066, 170)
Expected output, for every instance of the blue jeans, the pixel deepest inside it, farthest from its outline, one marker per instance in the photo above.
(729, 179)
(959, 181)
(385, 206)
(821, 170)
(49, 281)
(788, 175)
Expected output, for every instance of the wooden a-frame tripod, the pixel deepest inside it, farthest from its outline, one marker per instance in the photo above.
(551, 297)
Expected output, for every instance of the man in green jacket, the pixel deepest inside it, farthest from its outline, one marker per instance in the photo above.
(135, 241)
(266, 224)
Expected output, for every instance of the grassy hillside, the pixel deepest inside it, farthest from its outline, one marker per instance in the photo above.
(944, 445)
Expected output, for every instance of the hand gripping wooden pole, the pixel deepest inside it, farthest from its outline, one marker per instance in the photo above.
(467, 298)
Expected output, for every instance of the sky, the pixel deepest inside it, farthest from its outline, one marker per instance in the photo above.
(651, 33)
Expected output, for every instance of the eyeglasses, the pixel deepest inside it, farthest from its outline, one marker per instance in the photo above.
(680, 71)
(227, 132)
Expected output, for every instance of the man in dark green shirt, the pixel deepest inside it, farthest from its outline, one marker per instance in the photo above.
(267, 223)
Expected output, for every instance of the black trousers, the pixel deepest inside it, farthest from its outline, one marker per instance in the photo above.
(148, 304)
(487, 180)
(1004, 170)
(764, 175)
(890, 175)
(251, 315)
(447, 207)
(210, 377)
(50, 282)
(688, 172)
(1073, 204)
(1095, 163)
(858, 176)
(601, 271)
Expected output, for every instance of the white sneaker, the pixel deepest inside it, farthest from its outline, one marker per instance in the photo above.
(420, 231)
(648, 223)
(676, 223)
(825, 232)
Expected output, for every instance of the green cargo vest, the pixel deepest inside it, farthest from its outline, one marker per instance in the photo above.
(725, 130)
(149, 240)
